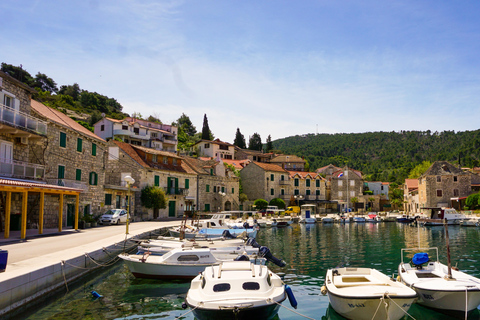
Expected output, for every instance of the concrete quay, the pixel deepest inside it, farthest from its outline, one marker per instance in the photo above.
(44, 263)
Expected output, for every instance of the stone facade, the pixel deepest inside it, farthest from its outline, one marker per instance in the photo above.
(257, 181)
(345, 185)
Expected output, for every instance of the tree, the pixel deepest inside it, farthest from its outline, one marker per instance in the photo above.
(185, 124)
(44, 83)
(206, 133)
(260, 204)
(396, 195)
(18, 73)
(154, 118)
(269, 146)
(242, 197)
(153, 198)
(419, 169)
(255, 142)
(239, 140)
(71, 90)
(277, 202)
(354, 201)
(473, 201)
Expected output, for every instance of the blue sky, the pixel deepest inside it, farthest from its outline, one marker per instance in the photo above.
(278, 68)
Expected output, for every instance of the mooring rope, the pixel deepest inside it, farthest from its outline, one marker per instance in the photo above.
(408, 314)
(281, 305)
(63, 273)
(183, 315)
(379, 304)
(466, 303)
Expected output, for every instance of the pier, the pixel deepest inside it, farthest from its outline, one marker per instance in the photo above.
(42, 264)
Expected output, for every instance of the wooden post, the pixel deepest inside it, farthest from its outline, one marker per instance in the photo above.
(77, 203)
(60, 213)
(8, 208)
(40, 216)
(23, 232)
(445, 222)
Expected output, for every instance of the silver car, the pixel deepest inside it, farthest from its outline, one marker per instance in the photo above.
(114, 216)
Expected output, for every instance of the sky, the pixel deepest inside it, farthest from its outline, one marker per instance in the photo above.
(278, 68)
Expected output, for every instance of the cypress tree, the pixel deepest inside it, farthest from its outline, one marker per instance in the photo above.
(239, 140)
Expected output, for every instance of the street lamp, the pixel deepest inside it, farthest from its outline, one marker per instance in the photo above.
(129, 180)
(298, 198)
(223, 194)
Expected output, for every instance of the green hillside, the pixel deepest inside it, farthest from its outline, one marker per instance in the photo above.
(384, 156)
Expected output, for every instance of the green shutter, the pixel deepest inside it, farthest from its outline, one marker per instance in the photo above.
(157, 181)
(223, 189)
(272, 176)
(176, 185)
(94, 149)
(61, 172)
(233, 190)
(208, 187)
(272, 192)
(211, 172)
(317, 183)
(307, 182)
(187, 184)
(93, 178)
(63, 139)
(108, 199)
(296, 182)
(78, 175)
(207, 207)
(79, 144)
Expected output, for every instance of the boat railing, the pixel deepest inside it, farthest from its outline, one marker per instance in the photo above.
(419, 250)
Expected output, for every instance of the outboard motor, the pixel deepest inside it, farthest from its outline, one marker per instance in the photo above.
(242, 258)
(265, 253)
(252, 242)
(245, 225)
(226, 234)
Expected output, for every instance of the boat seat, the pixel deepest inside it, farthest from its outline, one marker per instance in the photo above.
(356, 280)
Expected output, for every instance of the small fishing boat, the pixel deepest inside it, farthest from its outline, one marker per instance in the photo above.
(212, 232)
(437, 217)
(181, 263)
(453, 292)
(237, 290)
(328, 219)
(372, 217)
(404, 218)
(307, 211)
(367, 294)
(160, 247)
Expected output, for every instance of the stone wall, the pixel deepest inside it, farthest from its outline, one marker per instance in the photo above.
(254, 182)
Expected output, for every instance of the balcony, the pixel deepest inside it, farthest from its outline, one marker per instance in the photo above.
(69, 183)
(20, 169)
(22, 120)
(178, 191)
(284, 182)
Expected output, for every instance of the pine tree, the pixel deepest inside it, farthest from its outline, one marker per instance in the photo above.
(205, 129)
(269, 144)
(255, 142)
(239, 140)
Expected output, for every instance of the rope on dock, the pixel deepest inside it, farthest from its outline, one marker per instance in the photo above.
(63, 273)
(296, 312)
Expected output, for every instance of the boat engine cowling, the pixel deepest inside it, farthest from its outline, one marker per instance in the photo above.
(246, 225)
(252, 242)
(265, 253)
(242, 258)
(227, 234)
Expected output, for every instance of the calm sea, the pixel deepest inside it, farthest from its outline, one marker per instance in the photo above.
(309, 251)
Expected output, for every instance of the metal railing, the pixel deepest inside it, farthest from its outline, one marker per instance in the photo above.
(69, 183)
(177, 191)
(20, 119)
(20, 169)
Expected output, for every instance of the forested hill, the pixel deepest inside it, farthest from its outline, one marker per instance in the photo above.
(384, 156)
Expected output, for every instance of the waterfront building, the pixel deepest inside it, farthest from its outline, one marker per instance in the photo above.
(410, 196)
(214, 149)
(346, 184)
(265, 181)
(289, 162)
(252, 155)
(158, 136)
(378, 187)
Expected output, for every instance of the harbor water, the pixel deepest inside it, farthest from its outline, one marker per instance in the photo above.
(309, 251)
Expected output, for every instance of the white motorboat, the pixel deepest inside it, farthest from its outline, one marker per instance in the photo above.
(236, 290)
(307, 211)
(456, 294)
(209, 233)
(367, 294)
(359, 219)
(181, 263)
(469, 222)
(437, 216)
(329, 218)
(160, 247)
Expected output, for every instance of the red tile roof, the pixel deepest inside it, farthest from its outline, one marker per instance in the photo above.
(238, 164)
(269, 167)
(27, 184)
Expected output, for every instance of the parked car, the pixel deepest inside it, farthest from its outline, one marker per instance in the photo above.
(114, 216)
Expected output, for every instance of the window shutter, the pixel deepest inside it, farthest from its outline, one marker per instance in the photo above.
(176, 185)
(16, 104)
(208, 188)
(157, 181)
(63, 139)
(94, 149)
(61, 172)
(79, 144)
(187, 184)
(78, 175)
(108, 199)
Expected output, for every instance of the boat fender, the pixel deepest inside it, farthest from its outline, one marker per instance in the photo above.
(399, 278)
(96, 295)
(291, 297)
(184, 305)
(323, 290)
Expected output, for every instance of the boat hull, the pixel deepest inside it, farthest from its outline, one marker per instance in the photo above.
(164, 271)
(261, 312)
(366, 309)
(448, 301)
(213, 233)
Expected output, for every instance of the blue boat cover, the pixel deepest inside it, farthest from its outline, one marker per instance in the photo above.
(420, 258)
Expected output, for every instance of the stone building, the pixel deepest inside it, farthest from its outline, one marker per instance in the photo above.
(265, 181)
(442, 182)
(217, 186)
(26, 201)
(153, 168)
(346, 184)
(289, 162)
(252, 155)
(74, 157)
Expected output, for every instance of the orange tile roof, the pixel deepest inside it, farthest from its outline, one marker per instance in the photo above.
(269, 167)
(62, 119)
(304, 174)
(238, 164)
(411, 183)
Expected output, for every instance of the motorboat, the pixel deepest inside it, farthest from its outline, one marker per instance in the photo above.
(437, 216)
(160, 247)
(279, 223)
(405, 218)
(307, 211)
(448, 291)
(328, 218)
(367, 294)
(181, 263)
(359, 219)
(236, 290)
(372, 217)
(469, 222)
(212, 232)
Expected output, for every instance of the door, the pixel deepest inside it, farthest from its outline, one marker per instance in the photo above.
(70, 214)
(6, 157)
(171, 208)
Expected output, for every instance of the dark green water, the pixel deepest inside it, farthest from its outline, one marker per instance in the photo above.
(309, 251)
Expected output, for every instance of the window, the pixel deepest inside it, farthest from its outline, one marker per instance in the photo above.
(187, 184)
(78, 175)
(220, 287)
(282, 192)
(188, 257)
(233, 190)
(272, 177)
(223, 189)
(272, 192)
(439, 193)
(93, 178)
(296, 192)
(251, 286)
(207, 145)
(124, 127)
(108, 199)
(154, 158)
(165, 160)
(308, 192)
(352, 183)
(8, 101)
(79, 144)
(456, 193)
(102, 127)
(136, 130)
(211, 172)
(307, 182)
(296, 181)
(63, 139)
(207, 188)
(340, 183)
(455, 178)
(61, 172)
(439, 178)
(317, 183)
(157, 181)
(352, 194)
(317, 192)
(207, 206)
(282, 177)
(94, 149)
(340, 194)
